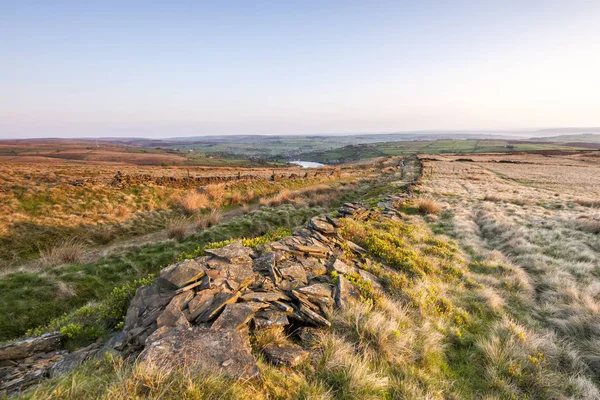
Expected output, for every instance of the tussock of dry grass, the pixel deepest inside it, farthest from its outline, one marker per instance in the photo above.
(590, 225)
(178, 228)
(493, 197)
(193, 202)
(68, 252)
(427, 205)
(588, 203)
(207, 220)
(264, 337)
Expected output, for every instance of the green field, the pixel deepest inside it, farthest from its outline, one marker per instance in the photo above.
(360, 152)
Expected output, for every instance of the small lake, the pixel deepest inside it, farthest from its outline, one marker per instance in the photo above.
(307, 164)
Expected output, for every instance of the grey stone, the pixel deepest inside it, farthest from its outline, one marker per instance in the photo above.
(269, 318)
(289, 355)
(27, 347)
(200, 303)
(216, 351)
(346, 293)
(233, 252)
(264, 296)
(182, 273)
(217, 304)
(308, 315)
(320, 224)
(367, 276)
(294, 273)
(234, 316)
(317, 290)
(343, 268)
(172, 316)
(264, 263)
(75, 359)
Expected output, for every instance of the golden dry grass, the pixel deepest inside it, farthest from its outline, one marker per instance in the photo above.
(193, 202)
(68, 252)
(207, 220)
(427, 205)
(178, 228)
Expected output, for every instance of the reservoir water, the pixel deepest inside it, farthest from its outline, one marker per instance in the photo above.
(307, 164)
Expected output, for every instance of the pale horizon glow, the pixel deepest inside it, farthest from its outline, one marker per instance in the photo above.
(196, 68)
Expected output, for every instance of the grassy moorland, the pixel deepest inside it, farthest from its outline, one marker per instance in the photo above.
(489, 292)
(63, 280)
(45, 204)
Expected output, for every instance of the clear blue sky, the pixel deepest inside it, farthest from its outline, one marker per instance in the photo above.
(176, 68)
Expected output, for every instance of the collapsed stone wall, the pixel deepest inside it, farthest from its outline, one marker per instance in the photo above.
(121, 180)
(199, 313)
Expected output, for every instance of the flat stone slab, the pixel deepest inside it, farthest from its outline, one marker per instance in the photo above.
(320, 224)
(182, 273)
(219, 301)
(264, 296)
(234, 316)
(233, 252)
(343, 268)
(28, 347)
(346, 293)
(289, 355)
(172, 316)
(317, 290)
(294, 273)
(269, 318)
(216, 351)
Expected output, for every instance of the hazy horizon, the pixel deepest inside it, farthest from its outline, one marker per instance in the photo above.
(296, 68)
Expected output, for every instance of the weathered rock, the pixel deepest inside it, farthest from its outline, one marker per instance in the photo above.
(317, 290)
(75, 359)
(295, 273)
(180, 301)
(234, 316)
(20, 375)
(264, 296)
(264, 263)
(238, 276)
(286, 308)
(343, 268)
(200, 303)
(309, 316)
(369, 277)
(31, 346)
(346, 293)
(320, 224)
(172, 316)
(289, 355)
(219, 301)
(203, 349)
(234, 252)
(180, 274)
(320, 294)
(147, 300)
(303, 300)
(269, 318)
(355, 248)
(313, 266)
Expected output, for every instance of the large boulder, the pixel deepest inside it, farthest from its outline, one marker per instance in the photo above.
(220, 351)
